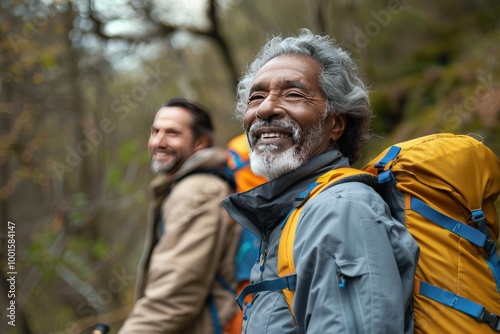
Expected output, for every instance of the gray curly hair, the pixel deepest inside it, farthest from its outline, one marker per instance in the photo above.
(345, 93)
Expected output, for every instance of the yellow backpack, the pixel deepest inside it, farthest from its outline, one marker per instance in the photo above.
(443, 188)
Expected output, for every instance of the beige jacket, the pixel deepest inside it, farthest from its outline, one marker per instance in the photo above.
(179, 267)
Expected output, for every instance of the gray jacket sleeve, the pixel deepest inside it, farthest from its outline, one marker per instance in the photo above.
(346, 234)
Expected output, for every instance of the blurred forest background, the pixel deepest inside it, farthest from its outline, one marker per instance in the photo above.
(81, 80)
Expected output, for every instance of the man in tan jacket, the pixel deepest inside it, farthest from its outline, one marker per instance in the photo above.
(187, 270)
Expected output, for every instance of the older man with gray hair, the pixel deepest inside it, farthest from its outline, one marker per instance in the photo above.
(306, 112)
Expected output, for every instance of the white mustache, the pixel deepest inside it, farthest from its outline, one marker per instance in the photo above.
(293, 128)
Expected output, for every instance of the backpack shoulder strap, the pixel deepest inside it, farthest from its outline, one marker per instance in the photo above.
(286, 265)
(286, 282)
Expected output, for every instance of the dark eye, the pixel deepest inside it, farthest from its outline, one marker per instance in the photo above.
(172, 132)
(293, 94)
(255, 100)
(255, 97)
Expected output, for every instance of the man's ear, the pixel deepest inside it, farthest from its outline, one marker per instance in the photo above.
(202, 142)
(338, 126)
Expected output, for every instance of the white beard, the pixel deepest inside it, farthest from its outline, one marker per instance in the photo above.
(159, 167)
(271, 165)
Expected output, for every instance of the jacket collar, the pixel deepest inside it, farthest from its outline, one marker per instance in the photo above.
(262, 208)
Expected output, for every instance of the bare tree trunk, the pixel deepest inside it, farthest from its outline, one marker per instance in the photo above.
(77, 111)
(221, 43)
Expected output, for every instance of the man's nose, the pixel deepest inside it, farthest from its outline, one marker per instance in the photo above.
(156, 140)
(270, 108)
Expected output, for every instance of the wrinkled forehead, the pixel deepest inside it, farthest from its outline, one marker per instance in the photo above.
(289, 71)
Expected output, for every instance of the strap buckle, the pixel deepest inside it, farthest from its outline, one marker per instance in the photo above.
(490, 246)
(478, 217)
(491, 318)
(304, 196)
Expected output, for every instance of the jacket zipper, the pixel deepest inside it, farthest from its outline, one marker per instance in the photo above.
(345, 300)
(262, 253)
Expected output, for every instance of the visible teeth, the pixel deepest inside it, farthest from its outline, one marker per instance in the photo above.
(274, 135)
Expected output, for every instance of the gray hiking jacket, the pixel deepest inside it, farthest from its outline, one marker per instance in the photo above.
(345, 231)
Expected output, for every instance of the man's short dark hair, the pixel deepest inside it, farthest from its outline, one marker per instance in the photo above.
(201, 123)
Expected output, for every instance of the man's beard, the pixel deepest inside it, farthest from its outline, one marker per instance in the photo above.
(272, 165)
(161, 167)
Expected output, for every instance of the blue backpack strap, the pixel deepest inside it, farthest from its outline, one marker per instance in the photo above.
(475, 236)
(247, 255)
(494, 263)
(213, 308)
(386, 175)
(480, 237)
(285, 282)
(225, 284)
(303, 196)
(479, 218)
(471, 234)
(388, 157)
(459, 303)
(214, 314)
(238, 162)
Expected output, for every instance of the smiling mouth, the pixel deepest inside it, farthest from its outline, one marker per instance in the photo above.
(273, 135)
(162, 153)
